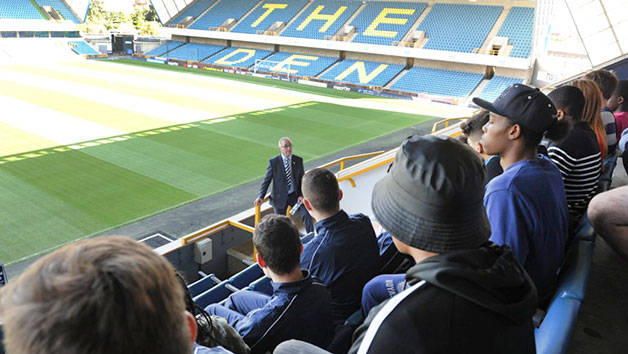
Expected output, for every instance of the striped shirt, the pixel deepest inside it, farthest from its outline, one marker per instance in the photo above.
(578, 159)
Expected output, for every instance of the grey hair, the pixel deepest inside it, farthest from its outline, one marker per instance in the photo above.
(283, 139)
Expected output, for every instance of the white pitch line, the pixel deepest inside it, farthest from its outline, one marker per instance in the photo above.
(50, 124)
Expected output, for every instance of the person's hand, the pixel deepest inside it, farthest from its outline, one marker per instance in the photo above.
(257, 201)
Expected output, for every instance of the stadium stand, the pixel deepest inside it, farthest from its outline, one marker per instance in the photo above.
(194, 51)
(301, 64)
(223, 11)
(496, 85)
(518, 27)
(19, 10)
(61, 7)
(269, 12)
(385, 22)
(458, 27)
(238, 57)
(80, 47)
(438, 82)
(195, 10)
(165, 48)
(322, 18)
(361, 72)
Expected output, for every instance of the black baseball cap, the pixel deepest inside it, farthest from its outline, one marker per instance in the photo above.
(523, 105)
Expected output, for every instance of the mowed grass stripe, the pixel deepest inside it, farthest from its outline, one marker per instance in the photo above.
(61, 197)
(14, 140)
(107, 115)
(212, 104)
(96, 188)
(229, 85)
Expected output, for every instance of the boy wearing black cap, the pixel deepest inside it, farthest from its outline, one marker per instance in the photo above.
(465, 294)
(526, 205)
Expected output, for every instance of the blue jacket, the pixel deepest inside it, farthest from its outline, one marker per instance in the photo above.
(298, 310)
(276, 173)
(344, 255)
(527, 210)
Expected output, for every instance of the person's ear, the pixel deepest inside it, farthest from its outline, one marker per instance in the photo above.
(339, 194)
(514, 132)
(560, 114)
(192, 326)
(307, 204)
(620, 100)
(260, 261)
(479, 148)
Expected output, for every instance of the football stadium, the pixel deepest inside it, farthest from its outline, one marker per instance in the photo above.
(182, 139)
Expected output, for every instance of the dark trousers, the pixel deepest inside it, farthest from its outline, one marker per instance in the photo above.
(307, 219)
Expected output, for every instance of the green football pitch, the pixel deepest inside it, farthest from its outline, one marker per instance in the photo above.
(54, 193)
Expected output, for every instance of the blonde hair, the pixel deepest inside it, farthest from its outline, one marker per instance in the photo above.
(108, 295)
(592, 112)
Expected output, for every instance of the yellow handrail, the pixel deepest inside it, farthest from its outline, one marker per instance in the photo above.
(342, 161)
(446, 122)
(216, 228)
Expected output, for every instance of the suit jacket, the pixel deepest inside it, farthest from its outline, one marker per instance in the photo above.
(276, 173)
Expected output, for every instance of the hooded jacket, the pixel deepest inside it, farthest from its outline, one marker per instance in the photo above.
(469, 301)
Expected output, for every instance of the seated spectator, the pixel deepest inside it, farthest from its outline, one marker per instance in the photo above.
(608, 213)
(526, 205)
(108, 295)
(591, 112)
(606, 81)
(344, 254)
(619, 104)
(465, 294)
(472, 129)
(577, 156)
(299, 307)
(214, 333)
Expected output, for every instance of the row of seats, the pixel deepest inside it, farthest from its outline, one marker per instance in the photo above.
(267, 13)
(322, 18)
(301, 64)
(195, 10)
(518, 27)
(238, 57)
(438, 82)
(61, 7)
(386, 22)
(449, 27)
(458, 27)
(165, 48)
(19, 9)
(223, 11)
(361, 72)
(80, 47)
(194, 51)
(496, 86)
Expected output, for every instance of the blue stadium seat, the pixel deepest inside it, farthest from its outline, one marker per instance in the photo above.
(386, 72)
(194, 51)
(238, 57)
(19, 10)
(312, 65)
(216, 294)
(246, 277)
(262, 285)
(223, 11)
(552, 337)
(166, 47)
(315, 22)
(195, 10)
(201, 285)
(458, 27)
(80, 47)
(386, 32)
(252, 23)
(518, 27)
(496, 86)
(438, 82)
(61, 7)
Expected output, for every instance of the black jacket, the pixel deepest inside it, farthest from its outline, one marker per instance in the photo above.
(471, 301)
(276, 173)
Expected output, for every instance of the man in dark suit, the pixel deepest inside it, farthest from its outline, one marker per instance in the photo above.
(285, 171)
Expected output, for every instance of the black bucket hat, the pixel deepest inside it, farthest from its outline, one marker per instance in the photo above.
(432, 198)
(523, 105)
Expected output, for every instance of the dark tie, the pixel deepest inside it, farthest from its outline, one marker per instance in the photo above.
(288, 173)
